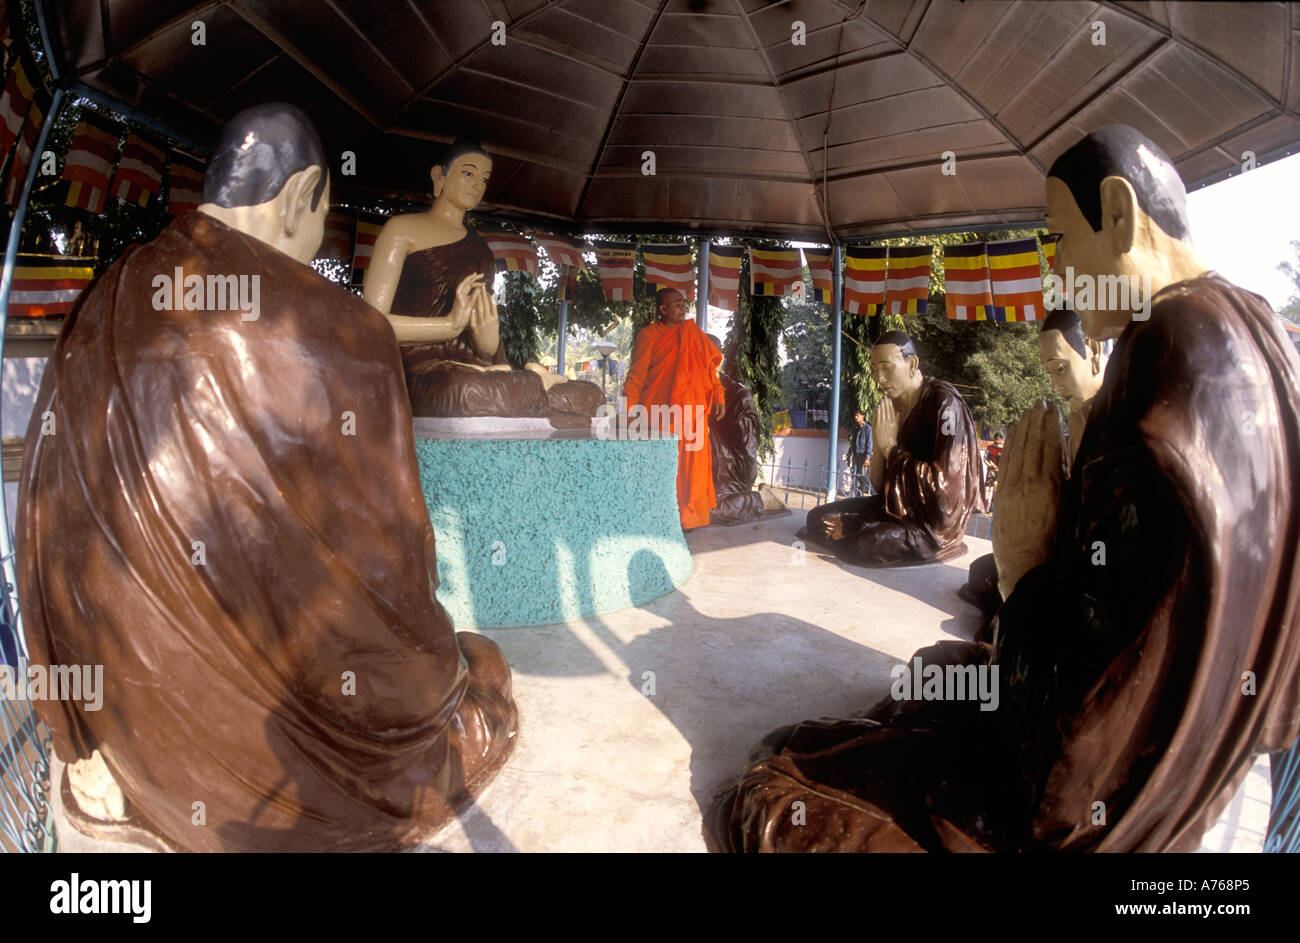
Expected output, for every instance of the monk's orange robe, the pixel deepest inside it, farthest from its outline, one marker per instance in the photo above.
(676, 365)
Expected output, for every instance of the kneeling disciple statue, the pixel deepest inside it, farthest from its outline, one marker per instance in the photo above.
(1075, 364)
(1149, 643)
(733, 438)
(229, 520)
(432, 276)
(924, 468)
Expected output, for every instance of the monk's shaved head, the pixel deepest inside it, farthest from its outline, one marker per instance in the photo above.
(1119, 151)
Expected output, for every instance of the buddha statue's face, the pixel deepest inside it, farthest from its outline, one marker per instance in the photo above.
(895, 374)
(464, 183)
(1077, 378)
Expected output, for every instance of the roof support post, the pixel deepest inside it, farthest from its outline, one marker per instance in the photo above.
(6, 281)
(562, 336)
(837, 296)
(702, 290)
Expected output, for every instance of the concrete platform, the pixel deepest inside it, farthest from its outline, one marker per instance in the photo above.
(761, 635)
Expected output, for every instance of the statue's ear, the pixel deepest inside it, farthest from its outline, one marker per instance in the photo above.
(913, 365)
(298, 193)
(438, 178)
(1119, 213)
(1093, 348)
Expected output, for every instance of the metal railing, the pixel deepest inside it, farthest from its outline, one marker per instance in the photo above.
(25, 750)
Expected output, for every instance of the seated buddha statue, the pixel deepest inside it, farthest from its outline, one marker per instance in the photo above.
(431, 276)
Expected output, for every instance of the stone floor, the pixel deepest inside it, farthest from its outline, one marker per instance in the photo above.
(633, 720)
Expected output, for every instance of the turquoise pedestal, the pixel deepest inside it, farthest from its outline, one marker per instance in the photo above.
(536, 531)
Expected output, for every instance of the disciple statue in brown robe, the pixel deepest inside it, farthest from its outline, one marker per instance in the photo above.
(925, 469)
(733, 439)
(228, 518)
(1149, 642)
(432, 276)
(1074, 364)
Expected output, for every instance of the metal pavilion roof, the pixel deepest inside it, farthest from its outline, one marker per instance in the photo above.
(752, 131)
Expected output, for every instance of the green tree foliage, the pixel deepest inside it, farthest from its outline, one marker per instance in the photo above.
(519, 315)
(1291, 310)
(806, 374)
(752, 353)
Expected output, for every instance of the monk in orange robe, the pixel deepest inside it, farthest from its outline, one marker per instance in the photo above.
(673, 364)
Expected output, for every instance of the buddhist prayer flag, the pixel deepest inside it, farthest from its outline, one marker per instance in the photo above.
(46, 285)
(562, 252)
(821, 263)
(1049, 253)
(337, 244)
(864, 279)
(724, 275)
(907, 281)
(511, 250)
(1017, 279)
(966, 283)
(14, 104)
(26, 144)
(89, 166)
(669, 266)
(184, 185)
(139, 175)
(616, 261)
(368, 227)
(772, 271)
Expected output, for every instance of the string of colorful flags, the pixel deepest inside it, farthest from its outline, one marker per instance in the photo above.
(993, 281)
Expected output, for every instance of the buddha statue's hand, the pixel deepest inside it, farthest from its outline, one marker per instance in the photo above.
(467, 299)
(1029, 491)
(884, 427)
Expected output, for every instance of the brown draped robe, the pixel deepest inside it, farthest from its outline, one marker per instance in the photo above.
(426, 288)
(931, 487)
(1143, 680)
(229, 519)
(734, 441)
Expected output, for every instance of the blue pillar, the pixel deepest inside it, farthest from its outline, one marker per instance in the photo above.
(561, 337)
(702, 290)
(837, 297)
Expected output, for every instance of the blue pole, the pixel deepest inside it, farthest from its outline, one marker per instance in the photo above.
(564, 331)
(702, 290)
(837, 295)
(6, 281)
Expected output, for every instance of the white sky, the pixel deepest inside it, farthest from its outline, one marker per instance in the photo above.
(1243, 227)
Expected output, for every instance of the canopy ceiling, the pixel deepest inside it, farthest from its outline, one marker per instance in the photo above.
(733, 109)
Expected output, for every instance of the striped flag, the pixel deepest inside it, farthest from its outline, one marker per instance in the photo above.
(89, 165)
(907, 282)
(772, 271)
(1017, 279)
(184, 185)
(724, 275)
(26, 144)
(368, 227)
(337, 244)
(864, 279)
(46, 285)
(511, 249)
(821, 263)
(966, 283)
(616, 261)
(139, 175)
(15, 103)
(669, 266)
(564, 253)
(1049, 253)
